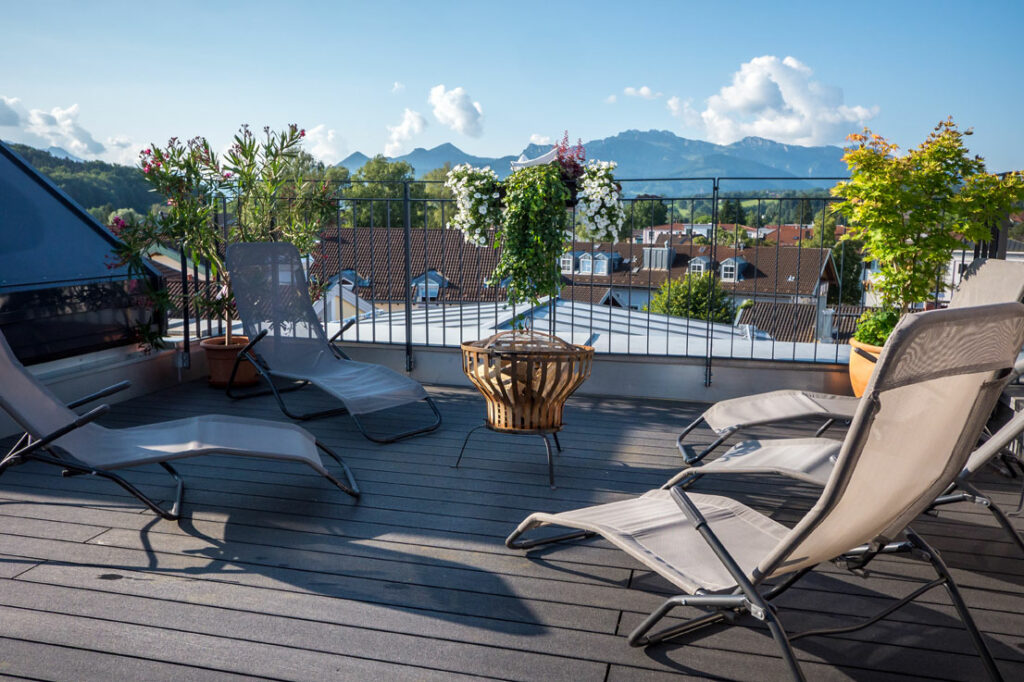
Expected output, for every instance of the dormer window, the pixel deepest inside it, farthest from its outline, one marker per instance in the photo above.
(586, 264)
(427, 287)
(697, 266)
(568, 262)
(601, 266)
(731, 269)
(351, 278)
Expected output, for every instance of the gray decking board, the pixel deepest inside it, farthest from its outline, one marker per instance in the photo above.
(269, 551)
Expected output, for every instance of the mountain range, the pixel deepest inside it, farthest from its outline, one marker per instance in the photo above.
(663, 154)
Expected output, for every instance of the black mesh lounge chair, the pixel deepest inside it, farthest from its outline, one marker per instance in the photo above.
(944, 369)
(984, 282)
(56, 435)
(287, 342)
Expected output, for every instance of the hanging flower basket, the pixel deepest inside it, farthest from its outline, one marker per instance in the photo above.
(526, 377)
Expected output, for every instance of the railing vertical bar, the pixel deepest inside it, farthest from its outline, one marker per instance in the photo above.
(775, 288)
(444, 268)
(426, 282)
(185, 305)
(407, 206)
(390, 292)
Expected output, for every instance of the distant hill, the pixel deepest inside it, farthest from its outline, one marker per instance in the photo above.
(91, 183)
(663, 154)
(62, 153)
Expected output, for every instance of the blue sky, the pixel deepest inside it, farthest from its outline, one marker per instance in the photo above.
(102, 79)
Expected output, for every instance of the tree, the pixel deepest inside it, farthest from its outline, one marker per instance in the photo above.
(848, 262)
(824, 233)
(125, 214)
(694, 296)
(911, 211)
(804, 214)
(438, 196)
(731, 211)
(377, 192)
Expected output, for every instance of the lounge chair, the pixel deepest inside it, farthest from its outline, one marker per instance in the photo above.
(812, 460)
(56, 435)
(985, 281)
(287, 342)
(942, 369)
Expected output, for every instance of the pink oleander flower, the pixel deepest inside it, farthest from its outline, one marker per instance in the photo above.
(302, 133)
(147, 169)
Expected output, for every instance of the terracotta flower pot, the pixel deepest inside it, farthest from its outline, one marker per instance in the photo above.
(220, 358)
(860, 367)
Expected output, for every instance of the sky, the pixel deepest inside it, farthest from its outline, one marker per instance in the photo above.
(104, 79)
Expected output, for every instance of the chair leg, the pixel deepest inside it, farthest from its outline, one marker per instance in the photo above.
(465, 442)
(404, 434)
(352, 488)
(998, 513)
(954, 594)
(551, 464)
(724, 607)
(557, 444)
(70, 468)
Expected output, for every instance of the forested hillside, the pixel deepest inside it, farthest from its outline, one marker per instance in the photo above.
(98, 186)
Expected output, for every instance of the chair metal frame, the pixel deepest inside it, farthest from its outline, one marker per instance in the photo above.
(754, 598)
(28, 448)
(248, 353)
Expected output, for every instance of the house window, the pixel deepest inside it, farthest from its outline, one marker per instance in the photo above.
(729, 271)
(585, 265)
(601, 267)
(567, 260)
(696, 267)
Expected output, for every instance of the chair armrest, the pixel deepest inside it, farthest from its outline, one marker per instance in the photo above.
(109, 390)
(89, 416)
(252, 342)
(866, 355)
(687, 506)
(334, 339)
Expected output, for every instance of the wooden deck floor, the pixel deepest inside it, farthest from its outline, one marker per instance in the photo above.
(274, 573)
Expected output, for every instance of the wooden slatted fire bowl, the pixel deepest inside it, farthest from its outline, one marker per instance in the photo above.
(526, 377)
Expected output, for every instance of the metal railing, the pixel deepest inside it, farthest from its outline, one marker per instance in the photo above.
(392, 274)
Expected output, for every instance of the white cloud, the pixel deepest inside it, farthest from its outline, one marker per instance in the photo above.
(778, 99)
(324, 144)
(537, 138)
(455, 109)
(9, 115)
(412, 124)
(643, 91)
(610, 99)
(683, 110)
(397, 88)
(59, 127)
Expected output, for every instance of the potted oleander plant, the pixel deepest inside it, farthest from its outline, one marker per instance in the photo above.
(258, 189)
(527, 375)
(910, 212)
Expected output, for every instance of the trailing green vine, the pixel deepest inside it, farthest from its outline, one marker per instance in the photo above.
(533, 235)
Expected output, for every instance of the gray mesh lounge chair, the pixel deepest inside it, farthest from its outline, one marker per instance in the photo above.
(984, 282)
(946, 368)
(56, 435)
(287, 341)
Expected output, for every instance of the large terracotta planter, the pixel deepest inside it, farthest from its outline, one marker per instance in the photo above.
(220, 358)
(860, 367)
(526, 378)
